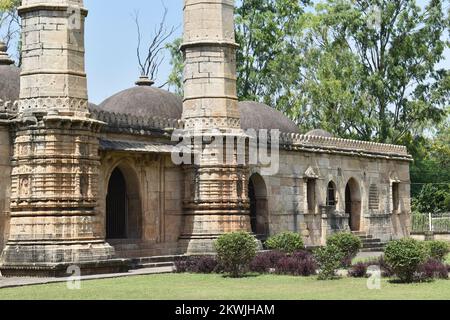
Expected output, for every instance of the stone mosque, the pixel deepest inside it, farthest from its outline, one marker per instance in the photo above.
(96, 186)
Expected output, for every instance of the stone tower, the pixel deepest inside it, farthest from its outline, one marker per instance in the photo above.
(55, 161)
(216, 191)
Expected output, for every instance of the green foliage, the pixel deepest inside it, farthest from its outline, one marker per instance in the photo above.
(348, 243)
(359, 69)
(235, 251)
(286, 242)
(404, 256)
(377, 79)
(430, 173)
(176, 76)
(329, 259)
(432, 198)
(437, 250)
(7, 5)
(10, 25)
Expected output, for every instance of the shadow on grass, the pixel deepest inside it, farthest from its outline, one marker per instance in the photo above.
(247, 275)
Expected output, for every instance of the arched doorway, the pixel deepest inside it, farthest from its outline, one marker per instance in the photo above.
(353, 204)
(257, 193)
(123, 205)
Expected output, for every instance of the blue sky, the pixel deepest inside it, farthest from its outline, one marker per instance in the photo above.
(111, 40)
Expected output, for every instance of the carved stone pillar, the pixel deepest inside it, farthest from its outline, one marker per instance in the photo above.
(217, 200)
(54, 222)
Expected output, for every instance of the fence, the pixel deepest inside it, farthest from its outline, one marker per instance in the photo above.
(436, 222)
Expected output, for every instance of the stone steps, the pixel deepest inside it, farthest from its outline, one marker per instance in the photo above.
(154, 261)
(369, 243)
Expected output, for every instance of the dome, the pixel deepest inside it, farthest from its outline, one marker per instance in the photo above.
(319, 133)
(258, 116)
(9, 77)
(145, 101)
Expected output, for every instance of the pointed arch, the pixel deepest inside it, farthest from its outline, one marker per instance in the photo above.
(353, 204)
(123, 204)
(259, 214)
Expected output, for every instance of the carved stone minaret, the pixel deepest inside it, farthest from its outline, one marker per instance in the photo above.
(216, 191)
(55, 161)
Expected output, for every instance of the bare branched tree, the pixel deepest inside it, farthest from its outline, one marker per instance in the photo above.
(10, 29)
(151, 61)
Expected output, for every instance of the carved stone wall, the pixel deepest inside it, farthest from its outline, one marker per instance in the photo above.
(287, 195)
(5, 182)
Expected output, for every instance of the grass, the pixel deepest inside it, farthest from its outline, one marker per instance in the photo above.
(214, 287)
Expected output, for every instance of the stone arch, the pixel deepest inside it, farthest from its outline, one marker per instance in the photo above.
(353, 204)
(259, 211)
(123, 219)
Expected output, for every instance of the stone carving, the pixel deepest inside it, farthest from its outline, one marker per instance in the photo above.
(293, 139)
(134, 124)
(53, 103)
(311, 174)
(24, 186)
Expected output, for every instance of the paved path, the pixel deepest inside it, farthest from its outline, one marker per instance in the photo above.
(18, 282)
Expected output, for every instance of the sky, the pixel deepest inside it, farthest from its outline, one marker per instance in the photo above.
(111, 39)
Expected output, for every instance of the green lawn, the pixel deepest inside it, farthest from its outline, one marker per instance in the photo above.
(210, 287)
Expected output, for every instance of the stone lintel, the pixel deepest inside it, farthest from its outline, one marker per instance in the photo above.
(47, 71)
(49, 7)
(208, 43)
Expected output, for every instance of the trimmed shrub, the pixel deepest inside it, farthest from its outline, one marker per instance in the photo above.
(183, 265)
(205, 264)
(273, 257)
(287, 265)
(300, 263)
(196, 264)
(437, 250)
(404, 256)
(329, 259)
(348, 243)
(261, 263)
(235, 251)
(358, 270)
(432, 269)
(286, 242)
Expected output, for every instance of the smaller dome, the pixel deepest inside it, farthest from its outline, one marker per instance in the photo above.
(9, 77)
(319, 133)
(255, 115)
(145, 101)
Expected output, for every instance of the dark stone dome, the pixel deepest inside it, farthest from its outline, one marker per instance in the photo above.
(145, 101)
(319, 133)
(9, 77)
(255, 115)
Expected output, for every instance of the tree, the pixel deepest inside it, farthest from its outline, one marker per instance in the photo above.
(10, 24)
(150, 62)
(176, 76)
(394, 89)
(361, 69)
